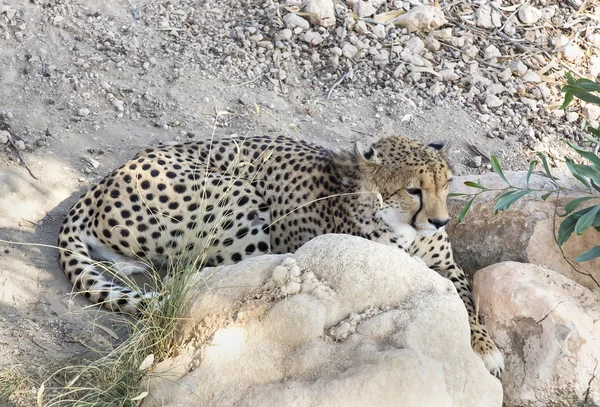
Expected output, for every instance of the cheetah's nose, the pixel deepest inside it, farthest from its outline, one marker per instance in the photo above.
(438, 223)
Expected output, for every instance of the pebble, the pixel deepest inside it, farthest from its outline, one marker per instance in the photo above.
(20, 144)
(415, 45)
(591, 112)
(531, 76)
(495, 89)
(283, 35)
(117, 104)
(529, 14)
(322, 12)
(4, 137)
(448, 75)
(491, 52)
(349, 50)
(379, 31)
(292, 20)
(83, 111)
(518, 68)
(493, 101)
(572, 52)
(432, 44)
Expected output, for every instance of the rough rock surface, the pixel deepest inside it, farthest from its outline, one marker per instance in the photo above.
(345, 321)
(547, 325)
(526, 232)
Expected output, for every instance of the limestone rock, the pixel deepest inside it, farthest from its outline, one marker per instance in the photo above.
(323, 12)
(547, 326)
(333, 342)
(526, 232)
(529, 14)
(421, 18)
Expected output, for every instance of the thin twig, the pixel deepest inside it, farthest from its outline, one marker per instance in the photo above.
(12, 143)
(350, 71)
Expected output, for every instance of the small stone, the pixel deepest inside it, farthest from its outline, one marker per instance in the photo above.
(591, 112)
(83, 111)
(322, 12)
(491, 52)
(118, 104)
(311, 37)
(292, 20)
(379, 31)
(448, 75)
(531, 76)
(495, 89)
(4, 137)
(415, 45)
(349, 50)
(283, 35)
(432, 44)
(571, 117)
(529, 14)
(572, 52)
(444, 35)
(484, 16)
(20, 144)
(493, 101)
(505, 75)
(518, 68)
(477, 161)
(361, 27)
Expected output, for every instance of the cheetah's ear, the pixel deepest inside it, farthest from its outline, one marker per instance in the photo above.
(441, 147)
(366, 155)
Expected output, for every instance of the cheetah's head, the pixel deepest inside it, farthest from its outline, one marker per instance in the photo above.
(413, 181)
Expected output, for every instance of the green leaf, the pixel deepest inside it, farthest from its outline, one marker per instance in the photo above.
(596, 186)
(592, 139)
(532, 165)
(589, 255)
(581, 93)
(506, 200)
(546, 166)
(571, 166)
(546, 195)
(461, 215)
(571, 205)
(586, 220)
(595, 132)
(566, 229)
(453, 194)
(586, 154)
(570, 79)
(475, 184)
(498, 169)
(588, 171)
(588, 85)
(567, 101)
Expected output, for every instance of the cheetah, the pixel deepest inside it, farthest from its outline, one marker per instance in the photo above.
(225, 200)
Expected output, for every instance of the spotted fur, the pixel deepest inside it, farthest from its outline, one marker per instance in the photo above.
(225, 200)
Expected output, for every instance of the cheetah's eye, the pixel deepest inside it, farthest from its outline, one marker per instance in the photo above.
(414, 191)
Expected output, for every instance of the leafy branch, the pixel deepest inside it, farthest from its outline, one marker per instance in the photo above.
(588, 175)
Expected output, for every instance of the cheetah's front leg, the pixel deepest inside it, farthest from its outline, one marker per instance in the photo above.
(436, 251)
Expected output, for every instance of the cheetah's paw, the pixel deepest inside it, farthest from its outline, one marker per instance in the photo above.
(492, 359)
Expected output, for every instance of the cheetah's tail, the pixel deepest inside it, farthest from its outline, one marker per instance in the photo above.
(88, 278)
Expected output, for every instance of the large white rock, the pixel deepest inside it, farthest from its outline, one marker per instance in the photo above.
(548, 327)
(345, 322)
(527, 232)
